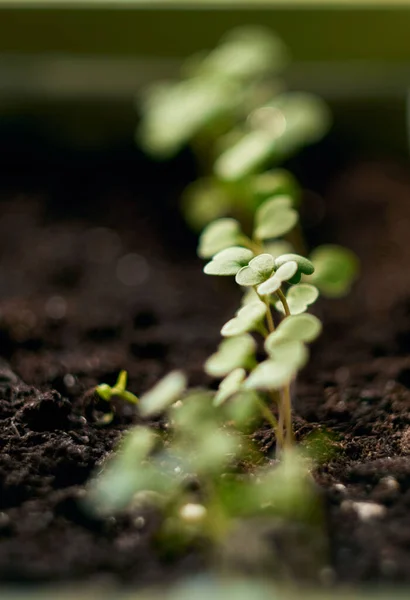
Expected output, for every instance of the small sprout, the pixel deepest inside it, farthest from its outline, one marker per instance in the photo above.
(229, 386)
(233, 352)
(299, 298)
(258, 270)
(229, 261)
(219, 235)
(119, 390)
(248, 318)
(284, 273)
(163, 394)
(336, 268)
(275, 218)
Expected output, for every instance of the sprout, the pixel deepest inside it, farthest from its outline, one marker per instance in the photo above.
(107, 393)
(233, 352)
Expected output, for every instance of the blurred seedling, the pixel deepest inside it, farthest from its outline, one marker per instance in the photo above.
(118, 390)
(274, 306)
(231, 106)
(192, 472)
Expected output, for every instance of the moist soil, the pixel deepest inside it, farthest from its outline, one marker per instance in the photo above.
(98, 273)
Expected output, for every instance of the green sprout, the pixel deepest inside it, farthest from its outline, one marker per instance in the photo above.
(118, 390)
(232, 107)
(276, 285)
(203, 443)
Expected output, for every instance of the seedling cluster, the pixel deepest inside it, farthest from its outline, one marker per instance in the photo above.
(232, 107)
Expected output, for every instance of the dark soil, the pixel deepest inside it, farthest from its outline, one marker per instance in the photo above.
(98, 273)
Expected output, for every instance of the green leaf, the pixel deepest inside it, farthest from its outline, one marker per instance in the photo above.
(279, 129)
(228, 261)
(245, 53)
(274, 218)
(284, 273)
(277, 182)
(163, 394)
(172, 114)
(247, 319)
(203, 201)
(229, 386)
(244, 157)
(336, 269)
(232, 353)
(299, 297)
(259, 269)
(270, 375)
(291, 352)
(304, 265)
(300, 328)
(242, 408)
(217, 236)
(211, 450)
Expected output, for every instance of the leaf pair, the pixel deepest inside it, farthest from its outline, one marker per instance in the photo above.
(106, 392)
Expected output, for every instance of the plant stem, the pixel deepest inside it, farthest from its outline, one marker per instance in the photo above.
(269, 317)
(287, 414)
(272, 421)
(256, 248)
(282, 298)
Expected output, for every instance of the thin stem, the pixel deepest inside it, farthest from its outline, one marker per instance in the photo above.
(287, 412)
(269, 317)
(282, 298)
(272, 421)
(256, 248)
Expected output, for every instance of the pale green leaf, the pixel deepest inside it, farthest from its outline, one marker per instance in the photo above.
(203, 201)
(336, 269)
(229, 386)
(244, 157)
(291, 352)
(284, 273)
(228, 261)
(299, 298)
(247, 319)
(305, 266)
(270, 375)
(277, 182)
(303, 328)
(173, 113)
(245, 53)
(219, 235)
(275, 217)
(163, 394)
(257, 271)
(232, 353)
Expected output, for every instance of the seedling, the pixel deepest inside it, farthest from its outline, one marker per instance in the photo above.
(201, 446)
(275, 286)
(118, 390)
(231, 106)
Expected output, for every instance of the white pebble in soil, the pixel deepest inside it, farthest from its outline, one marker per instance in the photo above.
(364, 510)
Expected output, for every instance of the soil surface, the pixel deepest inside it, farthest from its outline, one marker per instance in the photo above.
(98, 273)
